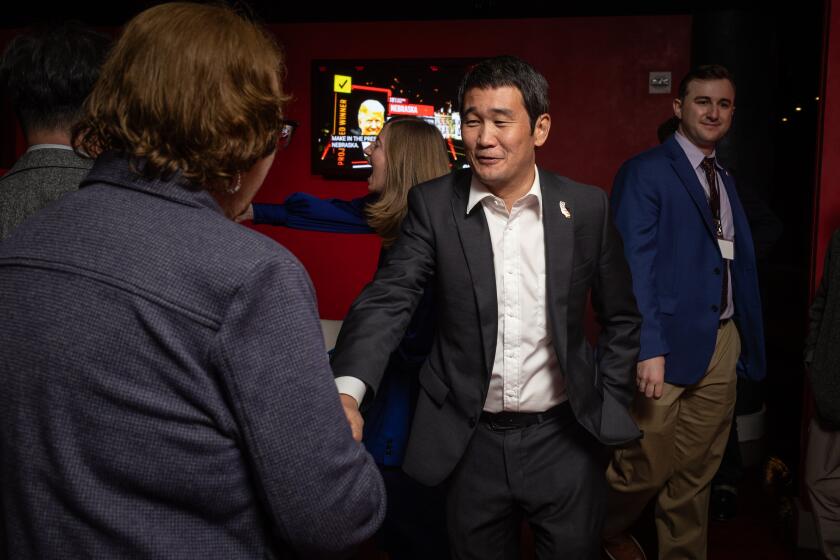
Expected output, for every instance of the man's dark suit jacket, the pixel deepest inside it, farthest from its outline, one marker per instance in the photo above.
(36, 179)
(822, 347)
(440, 242)
(166, 393)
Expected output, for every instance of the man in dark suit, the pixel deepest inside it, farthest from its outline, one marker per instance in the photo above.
(515, 407)
(48, 75)
(689, 246)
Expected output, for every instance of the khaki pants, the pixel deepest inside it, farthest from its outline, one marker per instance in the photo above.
(685, 434)
(822, 478)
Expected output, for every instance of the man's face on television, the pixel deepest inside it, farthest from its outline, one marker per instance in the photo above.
(371, 118)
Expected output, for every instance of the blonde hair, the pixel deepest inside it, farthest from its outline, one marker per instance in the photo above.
(191, 88)
(414, 153)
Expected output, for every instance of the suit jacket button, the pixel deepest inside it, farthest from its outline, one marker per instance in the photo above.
(717, 271)
(715, 308)
(472, 422)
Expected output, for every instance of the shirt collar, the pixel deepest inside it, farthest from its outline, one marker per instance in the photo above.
(34, 147)
(693, 153)
(479, 192)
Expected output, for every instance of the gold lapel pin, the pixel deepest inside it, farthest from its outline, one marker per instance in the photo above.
(565, 210)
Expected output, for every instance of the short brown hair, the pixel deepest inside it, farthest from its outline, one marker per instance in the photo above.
(414, 153)
(704, 73)
(190, 88)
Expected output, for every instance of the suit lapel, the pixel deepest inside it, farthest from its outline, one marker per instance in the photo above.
(559, 228)
(474, 235)
(680, 163)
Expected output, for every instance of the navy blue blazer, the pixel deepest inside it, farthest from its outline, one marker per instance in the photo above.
(664, 218)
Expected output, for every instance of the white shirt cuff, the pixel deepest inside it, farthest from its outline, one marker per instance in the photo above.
(352, 386)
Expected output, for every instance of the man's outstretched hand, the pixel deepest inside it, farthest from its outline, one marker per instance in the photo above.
(354, 417)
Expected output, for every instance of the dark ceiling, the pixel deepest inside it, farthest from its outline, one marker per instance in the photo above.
(116, 13)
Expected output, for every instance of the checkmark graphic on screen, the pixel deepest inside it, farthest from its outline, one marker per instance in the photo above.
(342, 84)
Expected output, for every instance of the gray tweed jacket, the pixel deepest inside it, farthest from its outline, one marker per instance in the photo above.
(822, 348)
(166, 393)
(36, 179)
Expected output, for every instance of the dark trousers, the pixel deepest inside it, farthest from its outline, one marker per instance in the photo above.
(550, 474)
(415, 526)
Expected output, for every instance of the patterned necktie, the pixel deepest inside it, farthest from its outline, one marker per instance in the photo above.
(708, 166)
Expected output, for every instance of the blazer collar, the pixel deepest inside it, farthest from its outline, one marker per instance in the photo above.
(689, 180)
(474, 235)
(478, 191)
(118, 170)
(48, 157)
(559, 212)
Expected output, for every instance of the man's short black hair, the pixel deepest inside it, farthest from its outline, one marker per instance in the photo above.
(511, 71)
(704, 73)
(49, 72)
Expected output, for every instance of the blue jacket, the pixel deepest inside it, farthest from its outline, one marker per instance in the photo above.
(304, 211)
(664, 218)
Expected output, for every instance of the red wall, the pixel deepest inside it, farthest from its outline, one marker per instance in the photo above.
(601, 111)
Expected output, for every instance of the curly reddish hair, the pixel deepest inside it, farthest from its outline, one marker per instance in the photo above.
(188, 88)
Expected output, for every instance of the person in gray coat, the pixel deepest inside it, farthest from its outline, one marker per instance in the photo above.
(166, 393)
(47, 75)
(822, 358)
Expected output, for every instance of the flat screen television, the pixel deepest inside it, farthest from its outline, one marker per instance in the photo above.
(352, 99)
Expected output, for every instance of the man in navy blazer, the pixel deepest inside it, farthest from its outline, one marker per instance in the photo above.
(694, 276)
(515, 408)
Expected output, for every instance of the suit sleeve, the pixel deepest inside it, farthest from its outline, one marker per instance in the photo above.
(615, 308)
(636, 207)
(381, 314)
(322, 489)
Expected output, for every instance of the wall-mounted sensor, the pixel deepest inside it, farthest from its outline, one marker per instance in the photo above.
(659, 82)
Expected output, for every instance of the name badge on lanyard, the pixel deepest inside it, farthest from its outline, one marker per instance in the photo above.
(727, 249)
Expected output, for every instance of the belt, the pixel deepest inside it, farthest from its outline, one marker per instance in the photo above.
(516, 420)
(723, 322)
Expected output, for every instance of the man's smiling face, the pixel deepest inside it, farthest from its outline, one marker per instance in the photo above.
(498, 138)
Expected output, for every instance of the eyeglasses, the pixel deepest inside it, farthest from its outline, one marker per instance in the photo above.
(287, 130)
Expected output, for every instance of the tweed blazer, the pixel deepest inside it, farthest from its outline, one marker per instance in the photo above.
(822, 347)
(36, 179)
